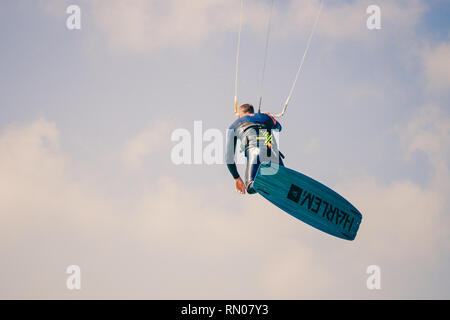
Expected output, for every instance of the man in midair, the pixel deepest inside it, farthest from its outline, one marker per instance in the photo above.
(254, 131)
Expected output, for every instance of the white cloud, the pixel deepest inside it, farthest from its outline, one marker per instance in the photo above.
(147, 25)
(152, 140)
(248, 249)
(403, 219)
(38, 187)
(44, 198)
(144, 26)
(437, 67)
(429, 132)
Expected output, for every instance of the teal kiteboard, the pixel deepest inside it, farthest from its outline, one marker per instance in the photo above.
(307, 200)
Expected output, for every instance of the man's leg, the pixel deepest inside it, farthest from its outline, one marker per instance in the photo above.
(253, 162)
(252, 168)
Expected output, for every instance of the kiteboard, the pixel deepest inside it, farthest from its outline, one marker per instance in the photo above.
(307, 200)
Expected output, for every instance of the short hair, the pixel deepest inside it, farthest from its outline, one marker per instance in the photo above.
(247, 108)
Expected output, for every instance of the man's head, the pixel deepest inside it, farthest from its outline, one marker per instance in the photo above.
(245, 110)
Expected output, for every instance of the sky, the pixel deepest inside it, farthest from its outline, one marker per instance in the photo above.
(87, 173)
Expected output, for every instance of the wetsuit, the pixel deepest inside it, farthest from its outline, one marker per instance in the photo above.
(257, 143)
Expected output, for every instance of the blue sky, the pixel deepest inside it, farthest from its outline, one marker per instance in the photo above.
(85, 124)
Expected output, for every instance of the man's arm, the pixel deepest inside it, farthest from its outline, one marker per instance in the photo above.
(231, 164)
(230, 153)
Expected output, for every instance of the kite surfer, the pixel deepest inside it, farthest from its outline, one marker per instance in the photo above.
(255, 133)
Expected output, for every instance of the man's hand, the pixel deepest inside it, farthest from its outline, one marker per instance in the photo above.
(240, 186)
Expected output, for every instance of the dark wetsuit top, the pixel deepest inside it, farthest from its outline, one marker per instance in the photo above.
(255, 135)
